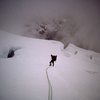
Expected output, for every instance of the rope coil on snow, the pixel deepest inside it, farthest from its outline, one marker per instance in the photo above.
(49, 85)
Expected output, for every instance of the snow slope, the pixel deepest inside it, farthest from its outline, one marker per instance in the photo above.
(76, 75)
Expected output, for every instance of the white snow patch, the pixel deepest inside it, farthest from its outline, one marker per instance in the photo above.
(75, 75)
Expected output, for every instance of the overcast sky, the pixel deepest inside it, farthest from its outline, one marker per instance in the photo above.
(15, 14)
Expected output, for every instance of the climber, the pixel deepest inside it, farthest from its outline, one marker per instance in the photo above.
(53, 59)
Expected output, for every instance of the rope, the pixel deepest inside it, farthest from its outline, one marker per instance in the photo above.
(49, 85)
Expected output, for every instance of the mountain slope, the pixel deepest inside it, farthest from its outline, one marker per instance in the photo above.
(75, 76)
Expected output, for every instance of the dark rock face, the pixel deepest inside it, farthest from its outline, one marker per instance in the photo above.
(10, 54)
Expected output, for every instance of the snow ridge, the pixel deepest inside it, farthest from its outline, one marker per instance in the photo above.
(27, 76)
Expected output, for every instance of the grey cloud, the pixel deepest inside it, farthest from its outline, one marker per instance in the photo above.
(14, 15)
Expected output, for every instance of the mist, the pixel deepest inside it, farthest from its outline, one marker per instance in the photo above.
(83, 14)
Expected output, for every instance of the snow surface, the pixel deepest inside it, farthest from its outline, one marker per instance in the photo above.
(75, 76)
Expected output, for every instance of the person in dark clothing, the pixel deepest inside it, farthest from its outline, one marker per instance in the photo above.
(53, 59)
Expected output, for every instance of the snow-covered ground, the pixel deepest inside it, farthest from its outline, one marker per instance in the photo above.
(75, 76)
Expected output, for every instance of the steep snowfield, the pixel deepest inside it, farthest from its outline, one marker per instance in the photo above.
(76, 75)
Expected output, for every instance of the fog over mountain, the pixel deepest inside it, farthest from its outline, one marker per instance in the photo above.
(85, 14)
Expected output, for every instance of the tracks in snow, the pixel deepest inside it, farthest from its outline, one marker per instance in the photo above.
(49, 85)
